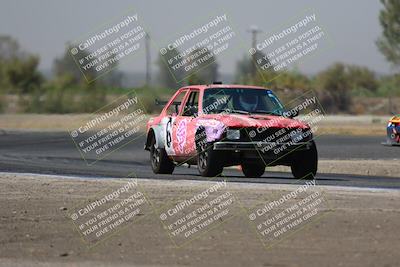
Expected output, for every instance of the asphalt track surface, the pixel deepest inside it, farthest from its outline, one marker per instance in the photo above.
(55, 153)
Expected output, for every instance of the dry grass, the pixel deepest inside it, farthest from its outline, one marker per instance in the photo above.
(358, 130)
(44, 122)
(353, 125)
(341, 125)
(41, 122)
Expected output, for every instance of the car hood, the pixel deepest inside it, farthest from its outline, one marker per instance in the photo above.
(256, 121)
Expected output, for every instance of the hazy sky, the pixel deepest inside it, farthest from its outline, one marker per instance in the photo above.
(44, 26)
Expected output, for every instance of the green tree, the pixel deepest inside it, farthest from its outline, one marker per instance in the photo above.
(334, 84)
(66, 66)
(206, 71)
(69, 91)
(389, 42)
(9, 48)
(247, 67)
(389, 85)
(113, 77)
(243, 70)
(362, 78)
(22, 74)
(340, 81)
(18, 69)
(165, 74)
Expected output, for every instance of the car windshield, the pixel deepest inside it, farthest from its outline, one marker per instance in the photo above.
(241, 101)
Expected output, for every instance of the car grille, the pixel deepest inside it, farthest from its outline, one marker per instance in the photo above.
(280, 135)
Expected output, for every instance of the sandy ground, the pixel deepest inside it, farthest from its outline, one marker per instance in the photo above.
(387, 167)
(331, 124)
(359, 227)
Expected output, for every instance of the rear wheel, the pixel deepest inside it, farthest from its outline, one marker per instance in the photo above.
(305, 163)
(160, 163)
(254, 170)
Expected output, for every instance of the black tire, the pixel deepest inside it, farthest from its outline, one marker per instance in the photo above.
(160, 163)
(305, 163)
(253, 170)
(209, 161)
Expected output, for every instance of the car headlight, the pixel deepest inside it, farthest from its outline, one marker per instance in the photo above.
(233, 134)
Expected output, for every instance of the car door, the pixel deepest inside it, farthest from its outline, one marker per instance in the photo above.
(183, 130)
(189, 120)
(169, 122)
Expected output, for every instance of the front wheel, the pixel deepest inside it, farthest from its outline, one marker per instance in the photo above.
(160, 163)
(209, 162)
(305, 163)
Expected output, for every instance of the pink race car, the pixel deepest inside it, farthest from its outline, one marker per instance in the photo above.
(215, 126)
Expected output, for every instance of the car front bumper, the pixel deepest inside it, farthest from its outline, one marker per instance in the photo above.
(263, 147)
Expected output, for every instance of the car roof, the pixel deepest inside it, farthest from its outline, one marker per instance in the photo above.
(227, 86)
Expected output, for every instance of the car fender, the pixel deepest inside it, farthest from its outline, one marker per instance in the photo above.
(212, 127)
(156, 131)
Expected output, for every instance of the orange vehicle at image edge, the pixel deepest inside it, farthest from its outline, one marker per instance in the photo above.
(393, 131)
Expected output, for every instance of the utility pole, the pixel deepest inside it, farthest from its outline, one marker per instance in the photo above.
(254, 31)
(148, 70)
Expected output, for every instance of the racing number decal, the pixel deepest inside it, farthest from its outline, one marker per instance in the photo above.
(168, 133)
(175, 135)
(168, 123)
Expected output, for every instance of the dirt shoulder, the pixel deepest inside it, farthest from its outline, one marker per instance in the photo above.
(384, 168)
(359, 227)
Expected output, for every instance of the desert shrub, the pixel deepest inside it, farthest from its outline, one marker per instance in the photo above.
(60, 96)
(334, 85)
(389, 86)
